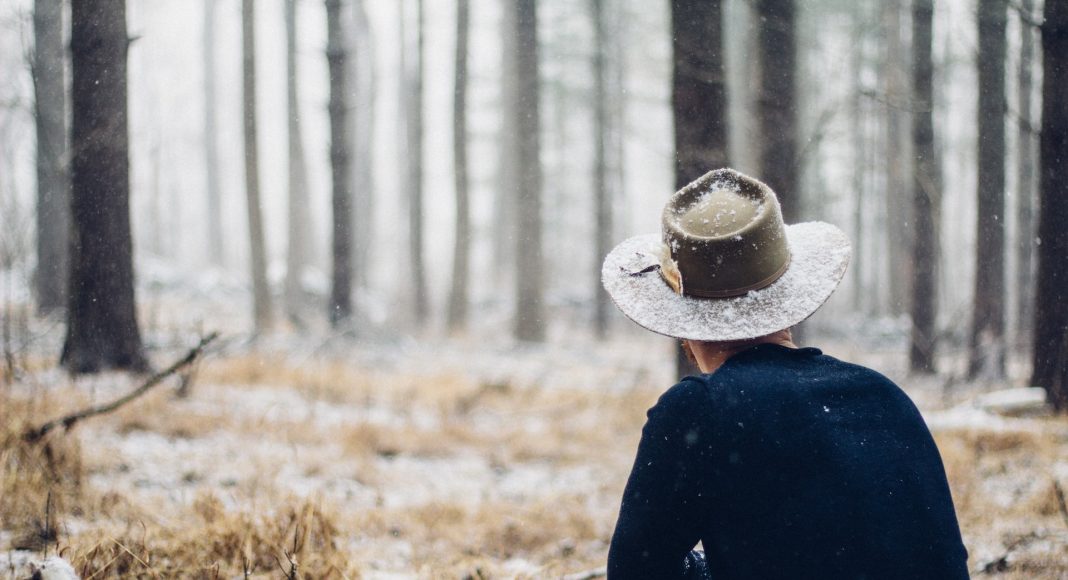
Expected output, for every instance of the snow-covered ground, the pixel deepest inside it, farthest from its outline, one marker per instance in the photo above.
(409, 458)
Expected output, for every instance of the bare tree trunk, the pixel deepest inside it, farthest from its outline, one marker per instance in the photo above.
(102, 331)
(699, 101)
(1050, 349)
(458, 297)
(261, 295)
(1025, 183)
(927, 196)
(216, 250)
(603, 199)
(414, 185)
(618, 42)
(525, 113)
(987, 345)
(778, 103)
(780, 165)
(363, 165)
(299, 220)
(341, 287)
(53, 185)
(896, 89)
(505, 214)
(858, 120)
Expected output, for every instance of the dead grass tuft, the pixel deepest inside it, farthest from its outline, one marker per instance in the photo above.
(323, 380)
(447, 536)
(38, 481)
(299, 537)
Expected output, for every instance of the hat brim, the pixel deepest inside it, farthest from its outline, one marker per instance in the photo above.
(819, 256)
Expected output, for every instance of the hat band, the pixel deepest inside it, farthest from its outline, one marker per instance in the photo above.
(673, 278)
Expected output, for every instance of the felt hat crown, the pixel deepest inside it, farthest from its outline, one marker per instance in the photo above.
(725, 236)
(725, 266)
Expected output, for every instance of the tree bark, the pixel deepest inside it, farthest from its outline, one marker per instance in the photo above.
(778, 103)
(780, 165)
(603, 199)
(458, 297)
(1025, 182)
(53, 185)
(505, 214)
(1050, 350)
(896, 88)
(102, 331)
(699, 101)
(261, 296)
(299, 220)
(363, 165)
(860, 144)
(414, 74)
(341, 287)
(987, 345)
(216, 250)
(926, 198)
(525, 113)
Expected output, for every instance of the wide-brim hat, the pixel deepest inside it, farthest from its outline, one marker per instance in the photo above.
(725, 267)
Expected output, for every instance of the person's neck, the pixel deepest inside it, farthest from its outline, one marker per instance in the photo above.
(711, 355)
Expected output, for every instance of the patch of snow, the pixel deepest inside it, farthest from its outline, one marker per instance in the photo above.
(23, 564)
(1014, 402)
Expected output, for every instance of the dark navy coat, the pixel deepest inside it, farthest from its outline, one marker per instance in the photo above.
(787, 463)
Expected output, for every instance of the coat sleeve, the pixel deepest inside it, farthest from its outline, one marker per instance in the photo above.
(662, 513)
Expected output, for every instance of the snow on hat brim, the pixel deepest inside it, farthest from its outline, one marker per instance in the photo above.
(820, 254)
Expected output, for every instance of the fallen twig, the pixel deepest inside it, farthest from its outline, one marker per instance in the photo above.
(68, 421)
(1061, 504)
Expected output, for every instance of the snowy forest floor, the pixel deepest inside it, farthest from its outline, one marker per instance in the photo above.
(447, 459)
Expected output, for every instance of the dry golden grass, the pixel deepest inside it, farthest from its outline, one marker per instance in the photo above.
(244, 515)
(38, 482)
(296, 537)
(1009, 501)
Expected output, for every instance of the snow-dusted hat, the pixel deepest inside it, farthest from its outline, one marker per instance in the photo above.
(725, 267)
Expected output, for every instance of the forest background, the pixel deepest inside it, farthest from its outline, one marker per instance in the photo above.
(395, 213)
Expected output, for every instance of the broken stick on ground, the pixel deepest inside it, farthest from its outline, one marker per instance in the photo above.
(68, 421)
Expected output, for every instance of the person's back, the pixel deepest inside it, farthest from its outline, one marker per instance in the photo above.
(783, 462)
(798, 465)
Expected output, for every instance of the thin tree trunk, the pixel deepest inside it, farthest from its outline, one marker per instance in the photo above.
(363, 165)
(341, 287)
(414, 184)
(987, 345)
(858, 120)
(505, 215)
(1050, 349)
(617, 113)
(699, 101)
(1025, 182)
(216, 250)
(898, 230)
(53, 185)
(525, 113)
(102, 330)
(699, 90)
(458, 297)
(261, 296)
(299, 220)
(778, 103)
(780, 166)
(603, 199)
(927, 196)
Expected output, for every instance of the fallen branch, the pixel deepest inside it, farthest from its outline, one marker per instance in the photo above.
(68, 421)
